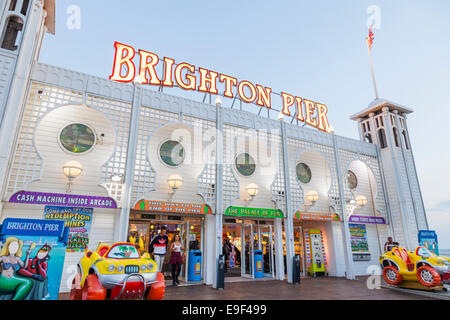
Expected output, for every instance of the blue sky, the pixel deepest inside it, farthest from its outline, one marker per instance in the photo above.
(313, 49)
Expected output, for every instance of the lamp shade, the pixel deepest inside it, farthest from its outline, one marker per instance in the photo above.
(312, 196)
(218, 101)
(175, 181)
(252, 189)
(361, 200)
(72, 169)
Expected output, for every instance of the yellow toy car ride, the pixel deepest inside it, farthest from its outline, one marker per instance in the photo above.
(421, 265)
(117, 271)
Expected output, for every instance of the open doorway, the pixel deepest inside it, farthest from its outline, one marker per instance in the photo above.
(191, 234)
(242, 241)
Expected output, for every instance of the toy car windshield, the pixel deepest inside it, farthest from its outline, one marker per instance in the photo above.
(424, 252)
(123, 251)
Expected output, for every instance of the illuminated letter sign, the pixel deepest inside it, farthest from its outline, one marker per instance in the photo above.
(184, 75)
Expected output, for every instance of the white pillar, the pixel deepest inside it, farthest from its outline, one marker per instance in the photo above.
(219, 191)
(279, 263)
(346, 237)
(123, 216)
(209, 256)
(289, 215)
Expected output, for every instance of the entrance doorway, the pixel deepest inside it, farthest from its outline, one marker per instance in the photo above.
(299, 248)
(243, 239)
(191, 234)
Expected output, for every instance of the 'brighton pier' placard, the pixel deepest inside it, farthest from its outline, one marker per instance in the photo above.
(184, 76)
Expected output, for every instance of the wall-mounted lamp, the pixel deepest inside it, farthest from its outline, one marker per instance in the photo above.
(311, 196)
(218, 101)
(361, 201)
(357, 204)
(71, 170)
(280, 116)
(175, 181)
(252, 190)
(331, 130)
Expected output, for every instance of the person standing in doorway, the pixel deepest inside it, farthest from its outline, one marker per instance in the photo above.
(158, 247)
(226, 252)
(135, 239)
(176, 259)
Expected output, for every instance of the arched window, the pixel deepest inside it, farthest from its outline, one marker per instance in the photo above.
(12, 33)
(25, 5)
(394, 129)
(12, 5)
(382, 138)
(405, 138)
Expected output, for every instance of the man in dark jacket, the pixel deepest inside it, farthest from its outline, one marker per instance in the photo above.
(158, 247)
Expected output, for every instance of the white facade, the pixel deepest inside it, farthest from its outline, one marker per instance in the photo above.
(131, 122)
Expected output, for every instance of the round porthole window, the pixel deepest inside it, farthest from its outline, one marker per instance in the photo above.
(77, 138)
(245, 164)
(303, 172)
(171, 153)
(352, 180)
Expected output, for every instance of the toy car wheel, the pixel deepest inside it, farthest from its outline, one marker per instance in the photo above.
(93, 289)
(391, 275)
(157, 289)
(428, 276)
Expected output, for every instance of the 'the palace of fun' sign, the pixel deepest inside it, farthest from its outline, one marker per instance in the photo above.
(183, 74)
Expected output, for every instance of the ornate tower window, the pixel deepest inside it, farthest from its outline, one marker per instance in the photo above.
(405, 138)
(382, 138)
(394, 130)
(12, 33)
(14, 22)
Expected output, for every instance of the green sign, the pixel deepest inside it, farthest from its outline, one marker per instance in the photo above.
(254, 212)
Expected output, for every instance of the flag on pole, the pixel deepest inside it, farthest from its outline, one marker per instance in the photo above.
(370, 38)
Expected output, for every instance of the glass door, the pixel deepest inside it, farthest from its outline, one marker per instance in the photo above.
(247, 250)
(233, 248)
(173, 228)
(299, 248)
(266, 244)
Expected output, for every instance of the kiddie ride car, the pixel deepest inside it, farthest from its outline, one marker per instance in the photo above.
(117, 271)
(421, 269)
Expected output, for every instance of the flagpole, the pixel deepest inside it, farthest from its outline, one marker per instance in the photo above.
(371, 68)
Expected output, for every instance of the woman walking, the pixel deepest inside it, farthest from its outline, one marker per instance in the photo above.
(176, 259)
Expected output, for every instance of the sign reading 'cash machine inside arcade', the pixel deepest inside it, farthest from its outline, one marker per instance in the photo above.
(190, 77)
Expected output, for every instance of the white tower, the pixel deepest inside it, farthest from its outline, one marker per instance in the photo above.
(384, 123)
(23, 24)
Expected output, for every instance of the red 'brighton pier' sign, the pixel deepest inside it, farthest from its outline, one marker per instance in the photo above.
(183, 74)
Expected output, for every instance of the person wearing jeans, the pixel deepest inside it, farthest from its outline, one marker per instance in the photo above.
(159, 248)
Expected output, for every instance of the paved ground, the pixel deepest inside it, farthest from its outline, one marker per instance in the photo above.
(309, 289)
